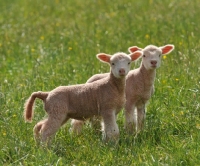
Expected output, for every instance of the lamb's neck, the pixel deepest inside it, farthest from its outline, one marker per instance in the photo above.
(148, 77)
(119, 83)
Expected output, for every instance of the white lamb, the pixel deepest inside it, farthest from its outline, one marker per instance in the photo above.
(139, 87)
(104, 97)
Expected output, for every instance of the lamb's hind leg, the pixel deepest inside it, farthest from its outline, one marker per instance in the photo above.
(130, 118)
(141, 113)
(37, 131)
(48, 130)
(76, 126)
(50, 127)
(110, 127)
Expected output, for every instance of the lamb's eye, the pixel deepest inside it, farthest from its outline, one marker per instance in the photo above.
(144, 55)
(129, 63)
(113, 64)
(160, 55)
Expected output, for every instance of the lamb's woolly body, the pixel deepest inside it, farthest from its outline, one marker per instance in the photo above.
(139, 89)
(141, 83)
(104, 97)
(85, 100)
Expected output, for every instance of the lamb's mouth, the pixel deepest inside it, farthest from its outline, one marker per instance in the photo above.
(154, 66)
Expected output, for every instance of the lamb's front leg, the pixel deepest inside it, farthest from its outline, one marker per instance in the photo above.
(109, 126)
(141, 115)
(130, 118)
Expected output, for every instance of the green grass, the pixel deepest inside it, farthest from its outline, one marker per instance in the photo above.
(44, 44)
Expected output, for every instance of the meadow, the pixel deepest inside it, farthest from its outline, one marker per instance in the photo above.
(45, 44)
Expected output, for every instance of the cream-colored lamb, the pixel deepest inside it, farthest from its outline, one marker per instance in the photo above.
(139, 86)
(103, 98)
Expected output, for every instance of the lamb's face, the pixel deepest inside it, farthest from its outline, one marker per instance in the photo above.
(152, 57)
(120, 64)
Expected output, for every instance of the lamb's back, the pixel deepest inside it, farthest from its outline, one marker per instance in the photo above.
(97, 77)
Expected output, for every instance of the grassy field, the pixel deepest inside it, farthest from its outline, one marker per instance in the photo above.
(44, 44)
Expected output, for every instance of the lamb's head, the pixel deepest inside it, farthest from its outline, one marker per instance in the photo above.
(152, 55)
(119, 62)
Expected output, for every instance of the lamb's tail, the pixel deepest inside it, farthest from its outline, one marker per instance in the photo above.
(28, 106)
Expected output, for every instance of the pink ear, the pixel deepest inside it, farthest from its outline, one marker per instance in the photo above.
(136, 55)
(167, 49)
(103, 57)
(133, 49)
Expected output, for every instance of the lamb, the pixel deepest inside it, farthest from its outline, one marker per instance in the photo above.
(104, 98)
(139, 86)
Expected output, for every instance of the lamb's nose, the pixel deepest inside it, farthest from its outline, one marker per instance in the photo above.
(153, 62)
(121, 71)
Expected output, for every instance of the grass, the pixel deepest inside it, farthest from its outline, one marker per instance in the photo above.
(44, 44)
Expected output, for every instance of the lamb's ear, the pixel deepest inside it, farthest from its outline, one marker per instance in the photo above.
(134, 48)
(104, 57)
(135, 55)
(167, 48)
